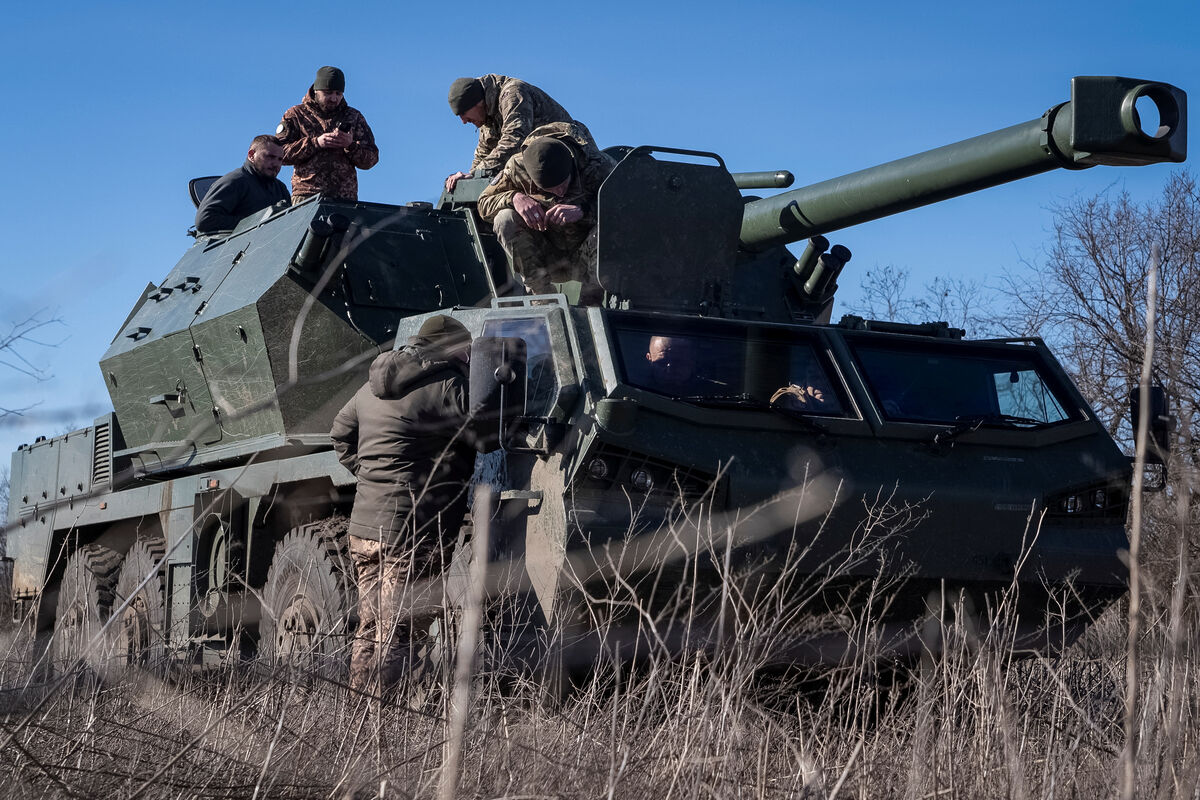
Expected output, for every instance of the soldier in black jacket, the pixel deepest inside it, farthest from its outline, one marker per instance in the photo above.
(238, 194)
(406, 438)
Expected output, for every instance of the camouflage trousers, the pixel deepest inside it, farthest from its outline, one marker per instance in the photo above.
(392, 646)
(557, 254)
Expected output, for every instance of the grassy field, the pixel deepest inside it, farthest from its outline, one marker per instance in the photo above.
(972, 722)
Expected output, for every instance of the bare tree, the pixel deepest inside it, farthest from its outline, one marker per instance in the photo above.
(962, 303)
(15, 344)
(1088, 300)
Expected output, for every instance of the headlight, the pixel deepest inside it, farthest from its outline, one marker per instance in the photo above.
(642, 480)
(1089, 502)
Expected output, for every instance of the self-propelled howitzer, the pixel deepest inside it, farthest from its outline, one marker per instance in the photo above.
(211, 500)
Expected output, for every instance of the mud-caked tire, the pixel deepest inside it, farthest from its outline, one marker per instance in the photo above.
(308, 602)
(139, 634)
(85, 600)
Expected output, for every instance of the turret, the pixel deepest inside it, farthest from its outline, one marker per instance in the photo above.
(678, 235)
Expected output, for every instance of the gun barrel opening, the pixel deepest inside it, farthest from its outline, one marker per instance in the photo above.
(1153, 111)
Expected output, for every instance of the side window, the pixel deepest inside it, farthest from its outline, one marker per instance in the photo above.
(939, 385)
(699, 363)
(1022, 393)
(542, 385)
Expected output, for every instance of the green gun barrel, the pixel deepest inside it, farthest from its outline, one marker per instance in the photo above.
(1099, 125)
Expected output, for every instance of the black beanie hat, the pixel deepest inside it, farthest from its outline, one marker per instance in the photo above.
(444, 331)
(330, 79)
(465, 94)
(548, 162)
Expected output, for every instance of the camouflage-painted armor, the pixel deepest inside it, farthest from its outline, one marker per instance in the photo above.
(323, 170)
(514, 109)
(561, 252)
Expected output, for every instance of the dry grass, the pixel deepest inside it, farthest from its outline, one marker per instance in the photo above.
(971, 722)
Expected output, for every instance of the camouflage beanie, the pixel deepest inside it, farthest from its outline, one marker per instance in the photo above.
(548, 162)
(330, 79)
(445, 332)
(465, 94)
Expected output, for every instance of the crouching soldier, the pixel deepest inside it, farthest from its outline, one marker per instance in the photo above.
(543, 209)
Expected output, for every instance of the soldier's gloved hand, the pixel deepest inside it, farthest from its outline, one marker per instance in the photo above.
(564, 214)
(453, 180)
(793, 396)
(531, 211)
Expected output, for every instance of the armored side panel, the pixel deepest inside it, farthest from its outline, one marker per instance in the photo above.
(668, 231)
(49, 483)
(254, 341)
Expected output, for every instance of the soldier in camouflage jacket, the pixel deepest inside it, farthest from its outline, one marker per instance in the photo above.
(506, 110)
(326, 140)
(543, 209)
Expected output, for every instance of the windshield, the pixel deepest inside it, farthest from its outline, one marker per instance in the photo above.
(715, 363)
(541, 381)
(914, 383)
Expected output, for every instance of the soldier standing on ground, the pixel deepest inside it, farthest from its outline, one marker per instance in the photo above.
(326, 140)
(249, 188)
(404, 435)
(506, 111)
(543, 209)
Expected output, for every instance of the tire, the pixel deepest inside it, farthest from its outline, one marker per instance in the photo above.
(6, 604)
(85, 599)
(308, 601)
(139, 635)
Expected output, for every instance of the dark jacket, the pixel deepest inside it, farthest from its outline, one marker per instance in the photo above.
(404, 436)
(235, 196)
(323, 170)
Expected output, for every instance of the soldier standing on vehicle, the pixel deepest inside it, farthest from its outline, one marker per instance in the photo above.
(506, 111)
(326, 140)
(404, 435)
(249, 188)
(543, 209)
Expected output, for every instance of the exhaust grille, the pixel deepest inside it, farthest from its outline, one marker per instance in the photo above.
(102, 454)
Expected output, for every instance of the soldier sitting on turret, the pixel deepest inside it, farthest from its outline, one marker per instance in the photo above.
(249, 188)
(543, 209)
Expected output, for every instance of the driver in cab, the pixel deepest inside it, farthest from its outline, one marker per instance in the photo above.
(672, 361)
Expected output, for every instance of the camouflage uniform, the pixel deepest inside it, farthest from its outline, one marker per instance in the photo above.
(392, 642)
(324, 170)
(561, 252)
(514, 109)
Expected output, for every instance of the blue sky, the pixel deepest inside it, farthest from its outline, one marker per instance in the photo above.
(111, 108)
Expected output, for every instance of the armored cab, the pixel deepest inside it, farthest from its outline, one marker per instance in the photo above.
(215, 479)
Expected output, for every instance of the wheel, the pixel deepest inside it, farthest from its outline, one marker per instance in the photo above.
(308, 600)
(139, 636)
(85, 599)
